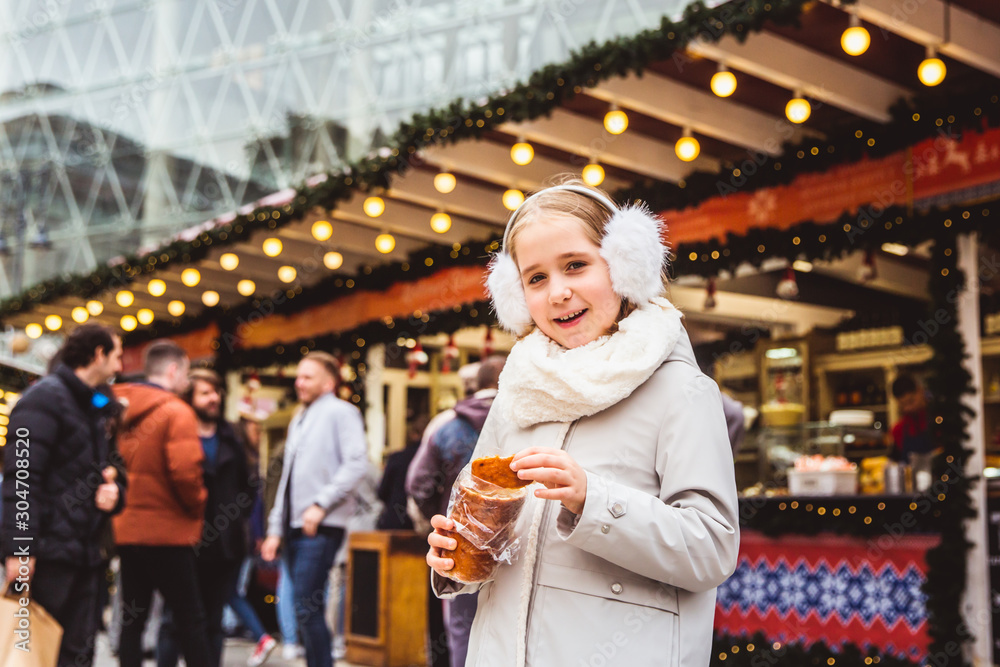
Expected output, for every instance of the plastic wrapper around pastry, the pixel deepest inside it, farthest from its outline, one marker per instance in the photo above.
(485, 517)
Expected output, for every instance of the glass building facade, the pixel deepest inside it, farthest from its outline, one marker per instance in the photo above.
(123, 122)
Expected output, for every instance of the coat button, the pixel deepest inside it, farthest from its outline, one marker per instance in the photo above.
(605, 529)
(617, 510)
(616, 588)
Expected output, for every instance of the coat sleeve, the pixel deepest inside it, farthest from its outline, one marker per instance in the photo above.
(424, 479)
(444, 587)
(121, 474)
(32, 434)
(274, 527)
(350, 440)
(184, 460)
(687, 537)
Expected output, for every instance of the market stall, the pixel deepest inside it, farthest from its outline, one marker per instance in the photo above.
(817, 258)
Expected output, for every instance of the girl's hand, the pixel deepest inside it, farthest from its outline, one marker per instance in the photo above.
(442, 544)
(563, 477)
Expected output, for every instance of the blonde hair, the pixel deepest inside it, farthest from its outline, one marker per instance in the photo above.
(329, 364)
(592, 215)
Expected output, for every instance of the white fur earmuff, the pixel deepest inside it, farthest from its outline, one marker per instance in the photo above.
(635, 255)
(507, 293)
(631, 246)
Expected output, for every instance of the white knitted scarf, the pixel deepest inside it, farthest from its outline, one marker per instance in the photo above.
(545, 382)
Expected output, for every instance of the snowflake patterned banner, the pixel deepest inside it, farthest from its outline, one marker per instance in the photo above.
(939, 171)
(830, 588)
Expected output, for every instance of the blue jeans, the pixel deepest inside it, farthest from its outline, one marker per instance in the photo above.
(241, 606)
(286, 605)
(309, 561)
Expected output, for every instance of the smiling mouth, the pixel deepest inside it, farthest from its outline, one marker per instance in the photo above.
(572, 317)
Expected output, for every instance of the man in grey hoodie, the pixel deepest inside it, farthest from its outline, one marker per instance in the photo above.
(432, 473)
(325, 459)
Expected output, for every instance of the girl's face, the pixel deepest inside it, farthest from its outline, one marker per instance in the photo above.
(566, 281)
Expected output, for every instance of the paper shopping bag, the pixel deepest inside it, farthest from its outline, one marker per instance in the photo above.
(29, 636)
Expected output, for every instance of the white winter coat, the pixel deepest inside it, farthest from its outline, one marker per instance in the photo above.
(632, 580)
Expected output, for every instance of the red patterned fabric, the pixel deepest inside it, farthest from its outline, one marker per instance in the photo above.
(830, 588)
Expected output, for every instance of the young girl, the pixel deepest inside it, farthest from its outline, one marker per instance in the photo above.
(601, 402)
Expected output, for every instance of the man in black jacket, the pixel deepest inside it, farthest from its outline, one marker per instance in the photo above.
(61, 483)
(230, 498)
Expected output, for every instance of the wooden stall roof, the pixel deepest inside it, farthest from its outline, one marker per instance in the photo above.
(663, 98)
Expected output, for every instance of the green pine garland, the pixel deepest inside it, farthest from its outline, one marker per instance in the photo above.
(760, 651)
(867, 229)
(949, 382)
(545, 90)
(858, 516)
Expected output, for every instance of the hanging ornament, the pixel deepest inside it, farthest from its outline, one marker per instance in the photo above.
(450, 354)
(416, 357)
(710, 296)
(488, 343)
(19, 344)
(868, 270)
(253, 383)
(788, 288)
(347, 374)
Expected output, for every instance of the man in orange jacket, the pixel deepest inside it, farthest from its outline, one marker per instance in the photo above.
(162, 523)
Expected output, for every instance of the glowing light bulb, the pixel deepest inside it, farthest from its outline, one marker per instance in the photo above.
(33, 330)
(322, 230)
(333, 260)
(723, 82)
(374, 207)
(124, 298)
(615, 121)
(95, 308)
(440, 222)
(522, 153)
(129, 323)
(144, 316)
(156, 287)
(444, 182)
(384, 243)
(80, 315)
(190, 277)
(687, 147)
(210, 298)
(855, 40)
(176, 308)
(932, 70)
(798, 110)
(593, 174)
(286, 274)
(272, 247)
(246, 287)
(53, 322)
(229, 261)
(512, 199)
